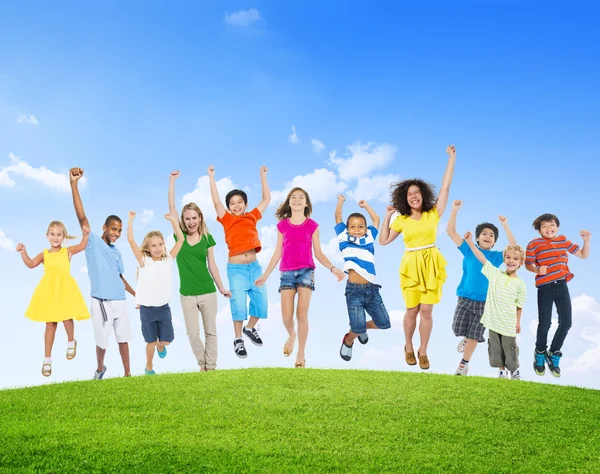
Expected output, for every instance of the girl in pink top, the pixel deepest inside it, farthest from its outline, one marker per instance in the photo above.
(297, 240)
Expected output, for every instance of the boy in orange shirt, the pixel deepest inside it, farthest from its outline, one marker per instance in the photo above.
(243, 269)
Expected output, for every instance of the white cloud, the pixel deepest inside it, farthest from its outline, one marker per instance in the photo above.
(375, 188)
(242, 17)
(332, 251)
(318, 145)
(201, 195)
(321, 185)
(293, 137)
(362, 159)
(28, 119)
(5, 242)
(49, 178)
(147, 215)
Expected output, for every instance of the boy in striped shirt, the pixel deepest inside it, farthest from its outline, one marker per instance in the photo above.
(503, 306)
(357, 244)
(547, 257)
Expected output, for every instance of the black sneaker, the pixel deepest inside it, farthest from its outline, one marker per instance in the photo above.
(238, 347)
(252, 334)
(539, 362)
(553, 360)
(363, 338)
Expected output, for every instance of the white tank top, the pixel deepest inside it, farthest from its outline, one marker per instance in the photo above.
(155, 282)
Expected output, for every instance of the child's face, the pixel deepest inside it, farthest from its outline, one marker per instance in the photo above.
(156, 246)
(112, 231)
(512, 260)
(237, 206)
(55, 236)
(357, 227)
(548, 229)
(191, 221)
(414, 197)
(486, 239)
(298, 201)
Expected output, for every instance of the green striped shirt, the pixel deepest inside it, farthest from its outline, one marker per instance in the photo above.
(505, 294)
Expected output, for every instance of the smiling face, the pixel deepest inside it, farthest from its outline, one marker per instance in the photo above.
(156, 247)
(112, 231)
(513, 260)
(297, 201)
(548, 229)
(486, 239)
(55, 236)
(236, 205)
(414, 197)
(191, 221)
(357, 226)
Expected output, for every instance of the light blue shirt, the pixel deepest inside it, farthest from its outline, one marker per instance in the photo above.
(473, 284)
(105, 267)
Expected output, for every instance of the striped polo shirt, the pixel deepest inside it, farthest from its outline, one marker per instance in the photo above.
(358, 252)
(553, 253)
(505, 294)
(105, 267)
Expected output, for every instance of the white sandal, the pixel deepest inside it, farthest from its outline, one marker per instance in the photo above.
(72, 351)
(47, 369)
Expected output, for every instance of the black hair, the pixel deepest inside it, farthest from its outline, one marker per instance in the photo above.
(235, 192)
(357, 215)
(400, 193)
(111, 218)
(537, 223)
(487, 225)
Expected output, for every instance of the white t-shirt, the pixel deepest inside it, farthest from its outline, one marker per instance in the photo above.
(155, 282)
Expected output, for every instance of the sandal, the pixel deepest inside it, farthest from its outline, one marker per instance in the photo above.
(72, 351)
(300, 365)
(423, 361)
(47, 369)
(287, 351)
(410, 357)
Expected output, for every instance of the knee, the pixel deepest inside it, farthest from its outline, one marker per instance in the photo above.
(302, 316)
(426, 314)
(51, 326)
(412, 313)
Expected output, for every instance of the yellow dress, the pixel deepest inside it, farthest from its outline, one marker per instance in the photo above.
(422, 272)
(57, 296)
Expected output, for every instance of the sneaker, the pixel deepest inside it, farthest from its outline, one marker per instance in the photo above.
(238, 347)
(162, 354)
(99, 375)
(516, 375)
(252, 334)
(553, 359)
(149, 372)
(462, 345)
(363, 338)
(502, 374)
(539, 362)
(345, 351)
(462, 369)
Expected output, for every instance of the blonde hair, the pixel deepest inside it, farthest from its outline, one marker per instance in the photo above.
(192, 206)
(145, 247)
(517, 249)
(284, 211)
(63, 228)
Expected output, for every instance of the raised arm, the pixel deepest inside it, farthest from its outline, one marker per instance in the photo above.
(451, 228)
(372, 214)
(274, 261)
(31, 263)
(322, 258)
(266, 193)
(172, 207)
(338, 209)
(442, 198)
(139, 256)
(476, 251)
(214, 193)
(178, 232)
(75, 175)
(214, 272)
(584, 252)
(511, 238)
(387, 235)
(80, 247)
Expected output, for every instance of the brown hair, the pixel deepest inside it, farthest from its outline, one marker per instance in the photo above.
(63, 228)
(284, 211)
(537, 223)
(146, 242)
(192, 206)
(400, 193)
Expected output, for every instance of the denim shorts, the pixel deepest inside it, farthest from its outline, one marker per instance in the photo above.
(241, 284)
(303, 278)
(157, 324)
(365, 298)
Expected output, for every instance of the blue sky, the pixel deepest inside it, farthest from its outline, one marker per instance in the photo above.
(131, 90)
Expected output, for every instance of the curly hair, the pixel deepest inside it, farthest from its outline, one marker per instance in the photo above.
(284, 211)
(400, 192)
(516, 249)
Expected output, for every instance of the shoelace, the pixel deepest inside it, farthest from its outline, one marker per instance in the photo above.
(555, 360)
(239, 345)
(539, 359)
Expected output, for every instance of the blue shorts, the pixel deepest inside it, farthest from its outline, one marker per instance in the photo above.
(303, 278)
(157, 324)
(361, 298)
(241, 284)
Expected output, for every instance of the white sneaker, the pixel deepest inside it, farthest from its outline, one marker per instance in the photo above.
(516, 375)
(462, 345)
(462, 369)
(502, 374)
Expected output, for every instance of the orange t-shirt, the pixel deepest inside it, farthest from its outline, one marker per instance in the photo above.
(241, 233)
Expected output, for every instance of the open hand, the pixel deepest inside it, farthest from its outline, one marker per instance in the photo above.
(21, 249)
(75, 174)
(260, 281)
(451, 150)
(586, 235)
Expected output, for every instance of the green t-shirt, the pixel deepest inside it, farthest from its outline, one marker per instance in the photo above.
(194, 277)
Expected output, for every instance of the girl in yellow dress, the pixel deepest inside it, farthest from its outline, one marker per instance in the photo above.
(423, 267)
(57, 296)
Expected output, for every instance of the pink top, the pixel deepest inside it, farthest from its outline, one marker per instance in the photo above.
(296, 253)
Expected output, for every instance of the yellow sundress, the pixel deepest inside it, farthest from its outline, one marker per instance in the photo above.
(422, 272)
(57, 296)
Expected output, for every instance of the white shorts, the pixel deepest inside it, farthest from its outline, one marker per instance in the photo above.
(116, 314)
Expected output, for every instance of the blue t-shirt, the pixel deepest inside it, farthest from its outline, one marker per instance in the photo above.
(105, 267)
(473, 284)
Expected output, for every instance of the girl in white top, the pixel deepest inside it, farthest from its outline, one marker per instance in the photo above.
(155, 287)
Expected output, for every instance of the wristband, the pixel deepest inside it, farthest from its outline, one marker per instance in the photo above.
(332, 267)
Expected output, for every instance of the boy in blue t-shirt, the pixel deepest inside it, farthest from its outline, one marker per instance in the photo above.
(473, 286)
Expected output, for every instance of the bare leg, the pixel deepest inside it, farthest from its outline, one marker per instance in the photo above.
(252, 322)
(160, 345)
(150, 346)
(410, 324)
(287, 315)
(124, 350)
(469, 349)
(425, 326)
(237, 329)
(49, 338)
(70, 328)
(304, 295)
(100, 353)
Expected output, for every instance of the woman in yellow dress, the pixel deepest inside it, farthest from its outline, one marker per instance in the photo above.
(57, 297)
(423, 267)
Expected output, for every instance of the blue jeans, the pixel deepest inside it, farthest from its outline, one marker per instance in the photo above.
(303, 278)
(241, 284)
(365, 298)
(557, 293)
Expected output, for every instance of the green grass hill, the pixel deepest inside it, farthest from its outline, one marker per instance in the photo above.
(300, 420)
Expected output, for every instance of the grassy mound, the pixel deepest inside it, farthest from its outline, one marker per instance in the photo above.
(294, 420)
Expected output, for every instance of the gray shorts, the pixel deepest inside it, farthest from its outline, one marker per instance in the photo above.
(503, 351)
